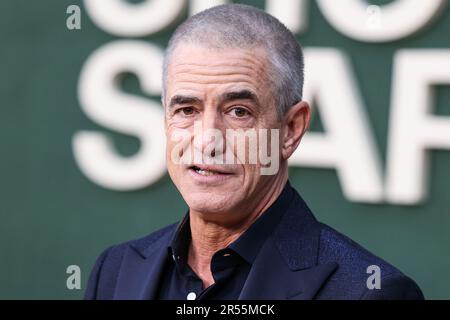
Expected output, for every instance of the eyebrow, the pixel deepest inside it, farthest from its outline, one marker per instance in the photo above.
(225, 97)
(239, 95)
(180, 99)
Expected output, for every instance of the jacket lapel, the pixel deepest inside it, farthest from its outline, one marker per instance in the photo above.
(271, 278)
(141, 271)
(287, 266)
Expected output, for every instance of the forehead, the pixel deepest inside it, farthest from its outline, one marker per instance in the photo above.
(198, 69)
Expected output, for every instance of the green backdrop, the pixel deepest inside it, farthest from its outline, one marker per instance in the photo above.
(52, 216)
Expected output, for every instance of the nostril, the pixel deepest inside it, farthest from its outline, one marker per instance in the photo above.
(213, 153)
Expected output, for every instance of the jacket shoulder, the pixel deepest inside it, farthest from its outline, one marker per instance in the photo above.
(355, 266)
(103, 278)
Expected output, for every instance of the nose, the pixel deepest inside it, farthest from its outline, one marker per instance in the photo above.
(209, 135)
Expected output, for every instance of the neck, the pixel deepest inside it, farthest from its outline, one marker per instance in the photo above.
(208, 236)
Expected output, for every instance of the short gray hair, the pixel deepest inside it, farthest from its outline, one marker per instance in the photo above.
(243, 26)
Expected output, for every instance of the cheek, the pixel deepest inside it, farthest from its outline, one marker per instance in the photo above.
(177, 141)
(178, 121)
(250, 175)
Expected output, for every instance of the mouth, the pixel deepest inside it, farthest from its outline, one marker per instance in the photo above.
(209, 170)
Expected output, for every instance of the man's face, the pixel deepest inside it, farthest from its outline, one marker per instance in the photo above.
(220, 89)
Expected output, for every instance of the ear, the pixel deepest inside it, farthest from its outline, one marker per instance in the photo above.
(295, 123)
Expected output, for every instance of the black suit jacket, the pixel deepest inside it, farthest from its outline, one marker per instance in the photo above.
(302, 259)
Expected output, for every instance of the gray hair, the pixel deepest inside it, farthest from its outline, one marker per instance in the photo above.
(243, 26)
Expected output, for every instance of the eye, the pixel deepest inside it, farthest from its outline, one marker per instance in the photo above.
(186, 111)
(239, 112)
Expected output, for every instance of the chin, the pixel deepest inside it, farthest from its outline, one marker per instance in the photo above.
(210, 202)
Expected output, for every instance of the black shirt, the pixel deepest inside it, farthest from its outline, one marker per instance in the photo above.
(229, 266)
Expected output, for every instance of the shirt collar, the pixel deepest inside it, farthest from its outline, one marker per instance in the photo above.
(249, 243)
(179, 244)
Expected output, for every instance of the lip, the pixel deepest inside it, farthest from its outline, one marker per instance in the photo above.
(220, 174)
(213, 168)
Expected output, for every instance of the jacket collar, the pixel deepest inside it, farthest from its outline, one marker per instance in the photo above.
(293, 271)
(141, 270)
(293, 250)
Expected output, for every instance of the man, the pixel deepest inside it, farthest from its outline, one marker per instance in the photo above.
(248, 234)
